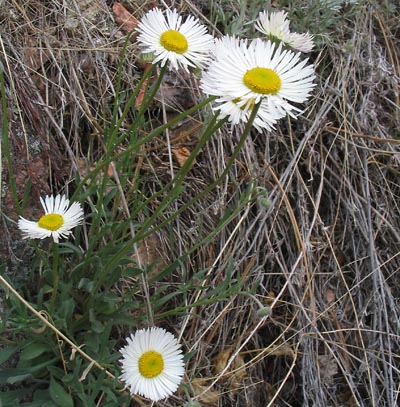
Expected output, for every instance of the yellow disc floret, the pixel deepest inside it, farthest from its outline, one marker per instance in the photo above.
(51, 221)
(151, 364)
(173, 40)
(262, 80)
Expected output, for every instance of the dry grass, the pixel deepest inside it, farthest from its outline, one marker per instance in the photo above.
(324, 253)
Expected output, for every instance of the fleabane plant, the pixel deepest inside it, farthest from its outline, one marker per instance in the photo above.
(182, 44)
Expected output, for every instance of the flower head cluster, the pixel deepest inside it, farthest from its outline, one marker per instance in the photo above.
(152, 363)
(241, 74)
(276, 27)
(58, 221)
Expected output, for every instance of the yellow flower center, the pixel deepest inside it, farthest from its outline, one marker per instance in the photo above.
(262, 80)
(151, 364)
(248, 105)
(173, 40)
(51, 221)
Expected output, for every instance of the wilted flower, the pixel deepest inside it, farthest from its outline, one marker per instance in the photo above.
(276, 27)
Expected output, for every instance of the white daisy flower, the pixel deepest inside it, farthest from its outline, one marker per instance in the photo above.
(236, 109)
(182, 44)
(152, 363)
(58, 220)
(276, 27)
(258, 71)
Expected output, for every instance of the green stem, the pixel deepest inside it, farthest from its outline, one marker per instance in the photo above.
(117, 123)
(146, 225)
(135, 146)
(146, 228)
(174, 185)
(55, 273)
(177, 181)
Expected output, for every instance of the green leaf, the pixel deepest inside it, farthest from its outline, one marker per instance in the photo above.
(111, 395)
(86, 284)
(19, 378)
(68, 247)
(56, 372)
(40, 398)
(39, 404)
(92, 342)
(87, 401)
(67, 308)
(59, 395)
(6, 353)
(96, 325)
(107, 303)
(33, 350)
(9, 398)
(13, 375)
(98, 384)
